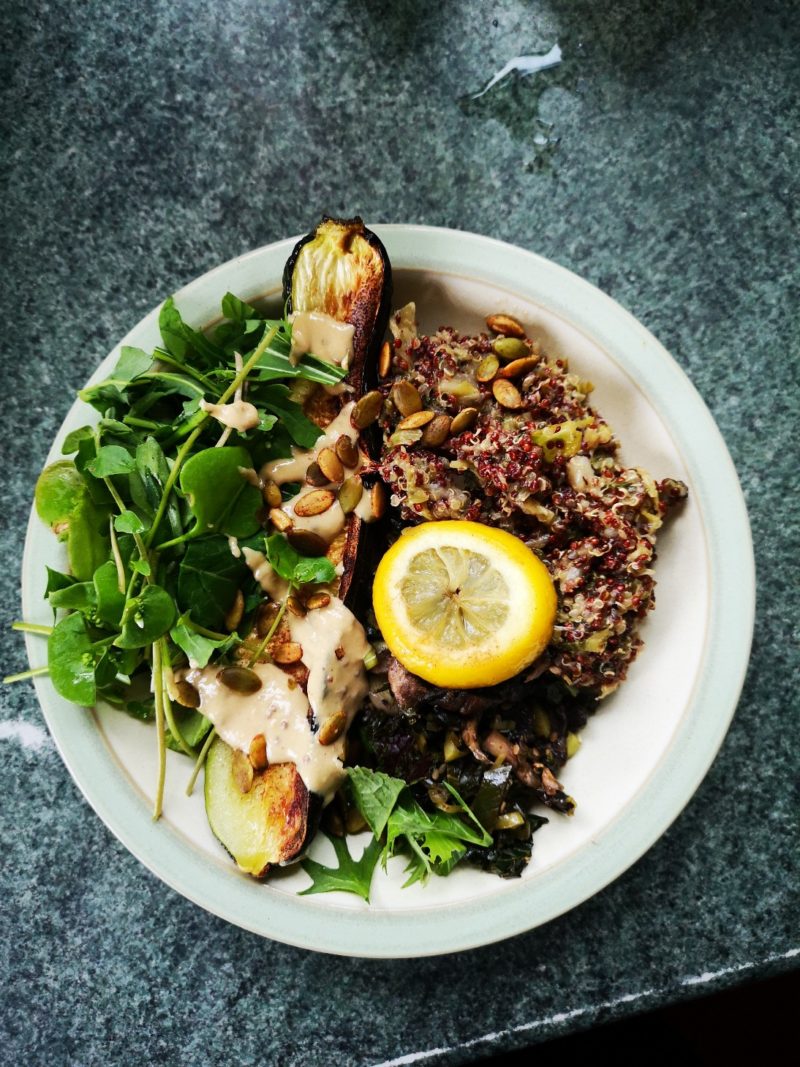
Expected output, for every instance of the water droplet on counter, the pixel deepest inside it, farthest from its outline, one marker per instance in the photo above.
(512, 95)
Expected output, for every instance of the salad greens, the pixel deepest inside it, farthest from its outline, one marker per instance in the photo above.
(432, 842)
(146, 506)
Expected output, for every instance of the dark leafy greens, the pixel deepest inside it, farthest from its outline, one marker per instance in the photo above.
(147, 505)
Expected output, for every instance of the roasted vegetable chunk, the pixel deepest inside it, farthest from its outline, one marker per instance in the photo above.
(261, 818)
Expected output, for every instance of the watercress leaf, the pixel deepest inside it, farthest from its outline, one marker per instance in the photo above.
(144, 710)
(302, 430)
(208, 579)
(351, 876)
(193, 726)
(146, 618)
(110, 600)
(141, 566)
(213, 485)
(105, 671)
(314, 569)
(236, 309)
(282, 557)
(87, 543)
(128, 522)
(171, 326)
(110, 460)
(147, 484)
(59, 489)
(132, 362)
(74, 438)
(180, 339)
(77, 597)
(266, 422)
(72, 659)
(197, 647)
(375, 795)
(57, 580)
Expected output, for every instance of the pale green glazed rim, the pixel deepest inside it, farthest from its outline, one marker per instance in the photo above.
(314, 922)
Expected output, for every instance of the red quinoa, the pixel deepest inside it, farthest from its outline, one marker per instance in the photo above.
(548, 473)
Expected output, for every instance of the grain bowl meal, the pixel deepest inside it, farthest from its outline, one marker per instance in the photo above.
(365, 585)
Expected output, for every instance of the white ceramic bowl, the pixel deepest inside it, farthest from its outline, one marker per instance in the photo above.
(644, 753)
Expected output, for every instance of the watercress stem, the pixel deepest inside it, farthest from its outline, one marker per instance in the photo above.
(34, 672)
(260, 650)
(174, 729)
(186, 447)
(212, 733)
(116, 554)
(32, 628)
(158, 695)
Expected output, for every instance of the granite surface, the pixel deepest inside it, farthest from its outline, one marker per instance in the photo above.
(145, 143)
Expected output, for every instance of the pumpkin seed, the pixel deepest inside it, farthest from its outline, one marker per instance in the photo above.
(506, 394)
(487, 368)
(330, 465)
(350, 494)
(377, 500)
(314, 475)
(280, 520)
(333, 728)
(307, 543)
(415, 420)
(272, 495)
(187, 695)
(236, 611)
(517, 367)
(406, 398)
(258, 753)
(318, 600)
(286, 653)
(508, 348)
(240, 679)
(242, 771)
(354, 821)
(436, 432)
(505, 325)
(385, 359)
(464, 420)
(314, 503)
(367, 410)
(296, 606)
(347, 451)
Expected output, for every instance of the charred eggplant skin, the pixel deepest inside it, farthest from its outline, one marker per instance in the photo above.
(343, 269)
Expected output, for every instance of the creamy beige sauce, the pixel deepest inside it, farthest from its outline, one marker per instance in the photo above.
(238, 415)
(322, 336)
(267, 578)
(335, 683)
(279, 709)
(331, 522)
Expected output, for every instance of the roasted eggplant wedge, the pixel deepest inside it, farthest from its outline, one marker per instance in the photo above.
(261, 818)
(266, 817)
(341, 268)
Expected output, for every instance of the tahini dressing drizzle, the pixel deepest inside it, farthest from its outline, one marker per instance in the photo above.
(330, 522)
(322, 335)
(334, 645)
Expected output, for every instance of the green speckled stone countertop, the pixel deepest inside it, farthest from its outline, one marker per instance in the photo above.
(145, 143)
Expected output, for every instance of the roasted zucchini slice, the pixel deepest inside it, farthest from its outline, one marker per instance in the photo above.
(261, 818)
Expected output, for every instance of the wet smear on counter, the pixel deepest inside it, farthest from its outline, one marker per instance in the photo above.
(512, 95)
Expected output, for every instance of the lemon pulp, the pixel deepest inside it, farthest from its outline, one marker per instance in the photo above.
(463, 605)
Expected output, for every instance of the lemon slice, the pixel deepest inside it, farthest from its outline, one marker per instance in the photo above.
(463, 605)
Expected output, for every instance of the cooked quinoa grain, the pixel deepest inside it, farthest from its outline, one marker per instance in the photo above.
(547, 470)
